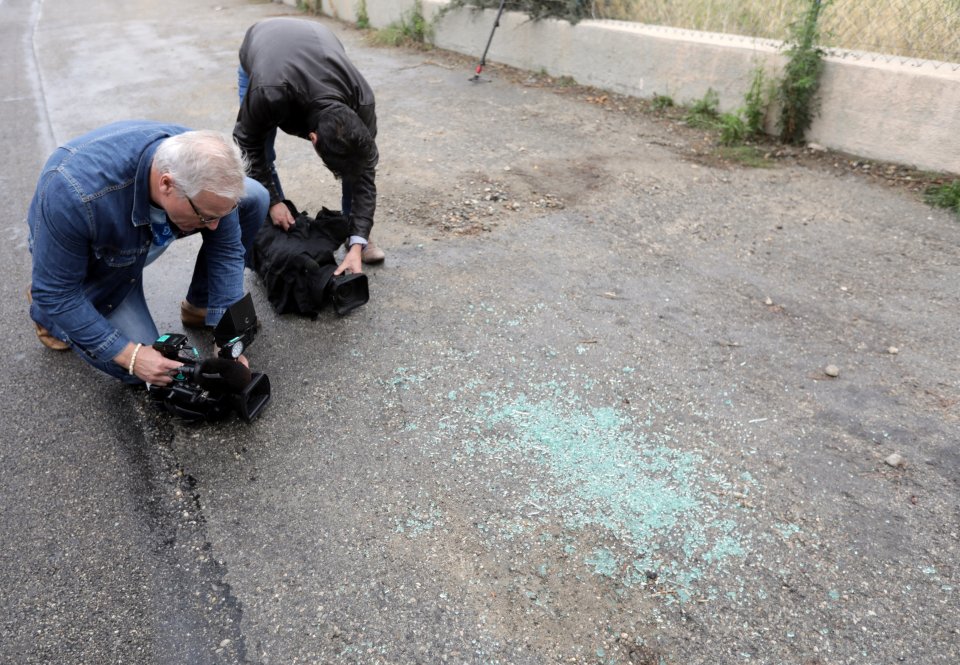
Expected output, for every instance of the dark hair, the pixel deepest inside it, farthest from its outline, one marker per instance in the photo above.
(344, 143)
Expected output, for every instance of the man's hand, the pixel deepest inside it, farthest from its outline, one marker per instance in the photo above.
(352, 262)
(280, 216)
(150, 366)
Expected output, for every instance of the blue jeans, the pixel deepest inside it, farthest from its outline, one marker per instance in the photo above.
(252, 210)
(346, 192)
(132, 317)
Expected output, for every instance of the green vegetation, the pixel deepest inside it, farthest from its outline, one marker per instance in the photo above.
(363, 19)
(797, 92)
(747, 122)
(737, 129)
(411, 30)
(733, 129)
(662, 102)
(756, 102)
(703, 112)
(944, 196)
(748, 155)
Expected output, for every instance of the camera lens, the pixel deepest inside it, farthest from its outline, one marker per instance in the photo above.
(350, 292)
(346, 291)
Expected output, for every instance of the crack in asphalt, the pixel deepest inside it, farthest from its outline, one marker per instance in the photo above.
(197, 618)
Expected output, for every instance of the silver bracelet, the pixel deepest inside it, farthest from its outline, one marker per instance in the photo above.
(133, 359)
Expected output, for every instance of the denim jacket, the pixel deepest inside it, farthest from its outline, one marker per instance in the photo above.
(90, 234)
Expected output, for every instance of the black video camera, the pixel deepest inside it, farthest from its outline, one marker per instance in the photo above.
(212, 388)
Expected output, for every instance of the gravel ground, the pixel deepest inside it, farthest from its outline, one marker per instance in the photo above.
(616, 398)
(605, 430)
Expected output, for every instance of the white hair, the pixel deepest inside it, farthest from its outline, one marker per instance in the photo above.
(203, 160)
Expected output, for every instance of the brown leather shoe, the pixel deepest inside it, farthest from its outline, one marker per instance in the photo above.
(372, 254)
(47, 339)
(193, 316)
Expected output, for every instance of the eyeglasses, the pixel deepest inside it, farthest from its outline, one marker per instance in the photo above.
(206, 221)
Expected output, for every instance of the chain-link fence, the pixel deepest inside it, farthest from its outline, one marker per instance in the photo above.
(904, 29)
(877, 29)
(913, 29)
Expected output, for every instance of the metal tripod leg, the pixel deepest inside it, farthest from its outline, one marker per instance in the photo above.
(483, 58)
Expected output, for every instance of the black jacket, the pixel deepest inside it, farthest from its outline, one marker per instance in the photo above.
(298, 68)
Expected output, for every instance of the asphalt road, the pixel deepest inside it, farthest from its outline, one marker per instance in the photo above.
(584, 417)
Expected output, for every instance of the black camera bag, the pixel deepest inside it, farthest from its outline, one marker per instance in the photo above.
(297, 266)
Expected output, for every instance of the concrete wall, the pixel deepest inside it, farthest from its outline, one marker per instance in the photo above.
(904, 112)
